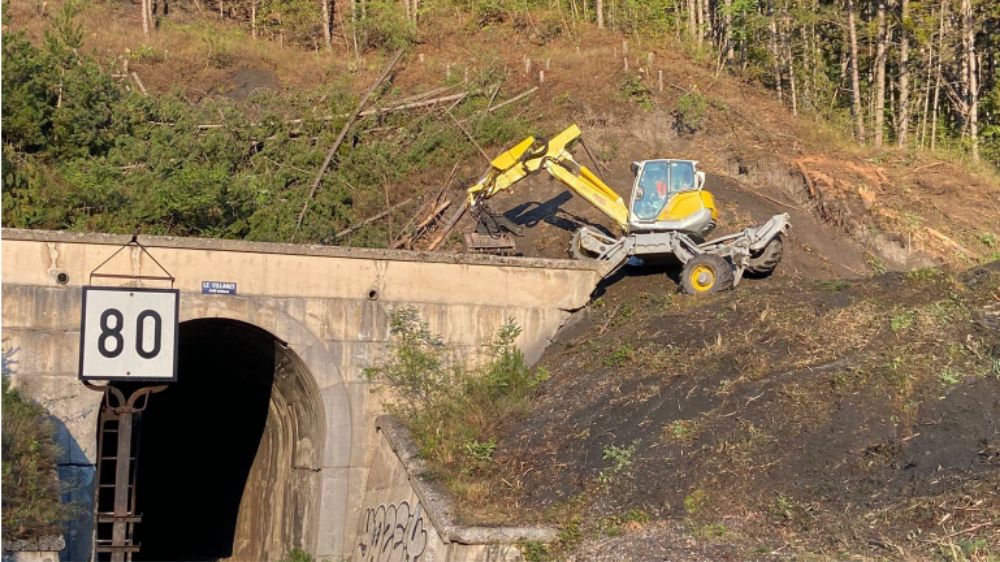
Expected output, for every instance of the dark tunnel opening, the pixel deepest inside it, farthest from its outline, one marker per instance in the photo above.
(198, 441)
(229, 455)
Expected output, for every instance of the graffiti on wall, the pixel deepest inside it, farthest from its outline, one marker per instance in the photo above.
(391, 533)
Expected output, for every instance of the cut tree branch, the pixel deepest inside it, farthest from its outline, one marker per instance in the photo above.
(343, 134)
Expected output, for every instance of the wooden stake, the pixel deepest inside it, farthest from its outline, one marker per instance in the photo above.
(541, 76)
(659, 80)
(343, 134)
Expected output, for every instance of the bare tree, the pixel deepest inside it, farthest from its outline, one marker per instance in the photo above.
(326, 7)
(971, 78)
(859, 122)
(880, 52)
(902, 121)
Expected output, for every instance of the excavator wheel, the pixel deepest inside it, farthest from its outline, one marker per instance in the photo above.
(765, 261)
(706, 273)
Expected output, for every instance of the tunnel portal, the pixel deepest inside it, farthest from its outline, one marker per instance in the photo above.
(228, 455)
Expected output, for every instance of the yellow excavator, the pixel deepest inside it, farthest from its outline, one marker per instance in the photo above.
(667, 217)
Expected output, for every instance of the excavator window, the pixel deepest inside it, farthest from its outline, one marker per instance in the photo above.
(681, 177)
(653, 190)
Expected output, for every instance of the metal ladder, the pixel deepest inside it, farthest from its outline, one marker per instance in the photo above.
(115, 516)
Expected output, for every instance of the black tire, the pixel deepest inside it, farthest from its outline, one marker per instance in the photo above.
(575, 250)
(707, 273)
(765, 261)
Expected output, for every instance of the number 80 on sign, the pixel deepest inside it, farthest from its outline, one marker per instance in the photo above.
(128, 333)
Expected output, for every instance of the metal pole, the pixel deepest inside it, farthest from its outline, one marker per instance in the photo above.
(122, 466)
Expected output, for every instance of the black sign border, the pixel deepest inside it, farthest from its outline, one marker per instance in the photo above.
(177, 330)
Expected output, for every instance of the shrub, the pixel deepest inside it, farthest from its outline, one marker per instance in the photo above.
(633, 89)
(689, 113)
(452, 410)
(31, 504)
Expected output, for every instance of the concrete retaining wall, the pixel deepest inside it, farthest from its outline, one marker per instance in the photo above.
(405, 517)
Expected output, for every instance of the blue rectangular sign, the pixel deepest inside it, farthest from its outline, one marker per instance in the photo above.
(218, 287)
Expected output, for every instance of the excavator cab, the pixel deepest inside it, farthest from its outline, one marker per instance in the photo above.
(667, 196)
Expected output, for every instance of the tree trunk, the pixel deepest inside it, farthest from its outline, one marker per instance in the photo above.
(692, 18)
(599, 8)
(903, 119)
(859, 122)
(972, 101)
(728, 33)
(928, 72)
(253, 19)
(145, 16)
(326, 7)
(789, 65)
(937, 79)
(706, 14)
(880, 52)
(775, 57)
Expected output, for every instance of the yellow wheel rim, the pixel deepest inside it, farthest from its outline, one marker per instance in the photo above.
(702, 278)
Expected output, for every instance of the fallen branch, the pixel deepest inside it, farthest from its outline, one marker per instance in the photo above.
(448, 227)
(940, 236)
(343, 134)
(371, 219)
(138, 82)
(493, 97)
(512, 100)
(809, 182)
(413, 105)
(468, 136)
(594, 158)
(433, 215)
(405, 238)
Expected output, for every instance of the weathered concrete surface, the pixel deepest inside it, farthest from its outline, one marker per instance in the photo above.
(406, 518)
(40, 550)
(329, 307)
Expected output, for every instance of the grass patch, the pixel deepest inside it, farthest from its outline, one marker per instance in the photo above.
(621, 355)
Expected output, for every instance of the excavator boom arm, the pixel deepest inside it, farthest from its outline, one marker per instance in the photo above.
(533, 155)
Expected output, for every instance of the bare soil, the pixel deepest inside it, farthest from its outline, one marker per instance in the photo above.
(793, 417)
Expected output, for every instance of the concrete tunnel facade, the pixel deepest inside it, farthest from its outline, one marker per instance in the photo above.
(304, 323)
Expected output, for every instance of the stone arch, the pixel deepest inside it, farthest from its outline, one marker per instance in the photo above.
(280, 505)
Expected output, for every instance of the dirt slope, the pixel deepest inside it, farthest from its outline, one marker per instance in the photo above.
(792, 417)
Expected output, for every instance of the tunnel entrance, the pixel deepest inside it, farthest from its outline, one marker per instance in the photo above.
(228, 455)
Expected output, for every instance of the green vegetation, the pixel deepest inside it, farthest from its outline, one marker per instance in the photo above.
(621, 355)
(690, 113)
(297, 555)
(31, 503)
(453, 410)
(633, 89)
(82, 152)
(621, 459)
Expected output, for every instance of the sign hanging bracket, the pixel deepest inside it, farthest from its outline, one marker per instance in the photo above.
(133, 243)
